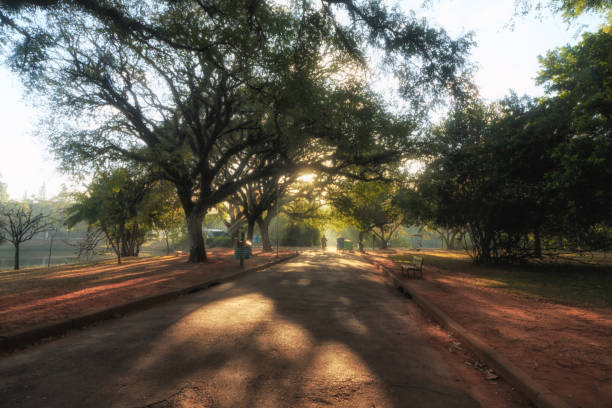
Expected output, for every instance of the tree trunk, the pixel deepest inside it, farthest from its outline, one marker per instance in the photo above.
(138, 246)
(537, 244)
(125, 251)
(16, 256)
(264, 226)
(234, 229)
(123, 246)
(250, 229)
(361, 243)
(134, 241)
(118, 252)
(121, 243)
(114, 243)
(130, 245)
(123, 240)
(382, 239)
(167, 243)
(233, 226)
(448, 241)
(197, 251)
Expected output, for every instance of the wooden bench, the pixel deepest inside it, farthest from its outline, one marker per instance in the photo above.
(411, 268)
(178, 253)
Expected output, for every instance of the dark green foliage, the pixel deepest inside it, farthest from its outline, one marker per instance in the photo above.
(369, 206)
(579, 78)
(223, 241)
(300, 234)
(522, 176)
(497, 173)
(488, 177)
(124, 204)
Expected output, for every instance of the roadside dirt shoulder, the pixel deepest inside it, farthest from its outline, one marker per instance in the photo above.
(567, 349)
(40, 297)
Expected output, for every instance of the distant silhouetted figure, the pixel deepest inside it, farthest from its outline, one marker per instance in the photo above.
(323, 243)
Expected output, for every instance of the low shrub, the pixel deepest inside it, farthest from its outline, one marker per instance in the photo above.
(301, 235)
(223, 241)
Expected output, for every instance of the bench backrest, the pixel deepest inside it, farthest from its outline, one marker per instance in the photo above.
(417, 260)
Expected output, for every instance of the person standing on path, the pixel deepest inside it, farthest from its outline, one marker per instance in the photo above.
(323, 243)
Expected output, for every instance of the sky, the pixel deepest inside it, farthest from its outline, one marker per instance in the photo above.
(506, 59)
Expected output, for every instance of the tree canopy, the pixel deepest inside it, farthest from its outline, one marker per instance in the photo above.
(197, 90)
(369, 206)
(519, 176)
(121, 203)
(570, 9)
(227, 102)
(578, 78)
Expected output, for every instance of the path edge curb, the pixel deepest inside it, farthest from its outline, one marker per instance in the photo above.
(539, 395)
(29, 337)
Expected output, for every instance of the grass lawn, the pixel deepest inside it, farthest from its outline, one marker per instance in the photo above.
(571, 284)
(35, 253)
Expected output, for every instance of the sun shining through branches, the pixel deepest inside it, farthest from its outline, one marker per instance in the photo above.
(264, 108)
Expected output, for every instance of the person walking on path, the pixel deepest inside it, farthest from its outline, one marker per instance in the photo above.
(323, 243)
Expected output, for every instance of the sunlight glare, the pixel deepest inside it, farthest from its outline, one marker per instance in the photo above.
(243, 311)
(307, 178)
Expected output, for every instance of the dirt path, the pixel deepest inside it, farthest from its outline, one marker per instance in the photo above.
(318, 331)
(567, 349)
(34, 297)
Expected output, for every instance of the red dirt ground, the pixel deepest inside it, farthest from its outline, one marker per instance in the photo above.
(567, 349)
(41, 296)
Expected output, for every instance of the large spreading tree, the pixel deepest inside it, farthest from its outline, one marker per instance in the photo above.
(196, 90)
(258, 201)
(370, 207)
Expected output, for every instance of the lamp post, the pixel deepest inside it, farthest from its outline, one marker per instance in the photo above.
(53, 231)
(277, 205)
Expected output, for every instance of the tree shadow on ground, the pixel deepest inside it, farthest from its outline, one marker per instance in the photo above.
(323, 330)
